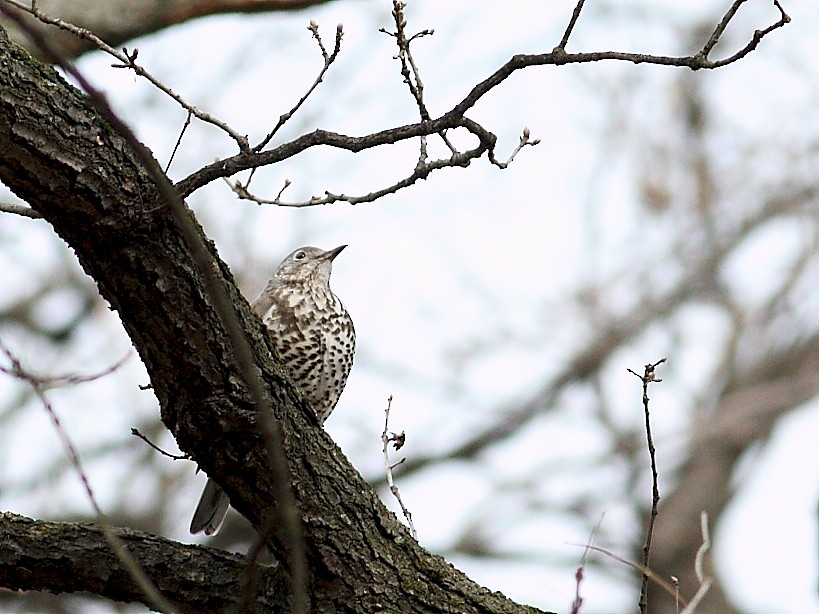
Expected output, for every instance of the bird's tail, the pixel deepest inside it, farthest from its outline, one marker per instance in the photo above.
(211, 510)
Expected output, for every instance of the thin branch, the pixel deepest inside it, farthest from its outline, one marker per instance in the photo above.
(412, 75)
(648, 377)
(421, 171)
(721, 26)
(56, 381)
(253, 158)
(135, 432)
(729, 15)
(659, 581)
(125, 557)
(127, 60)
(397, 442)
(22, 210)
(328, 61)
(178, 141)
(409, 69)
(290, 530)
(570, 28)
(523, 142)
(579, 574)
(455, 117)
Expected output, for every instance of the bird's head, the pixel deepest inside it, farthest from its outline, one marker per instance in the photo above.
(307, 265)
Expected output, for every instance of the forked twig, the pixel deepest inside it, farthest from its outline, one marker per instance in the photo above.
(329, 58)
(784, 18)
(409, 69)
(523, 142)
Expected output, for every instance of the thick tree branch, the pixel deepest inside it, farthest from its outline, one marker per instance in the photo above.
(66, 557)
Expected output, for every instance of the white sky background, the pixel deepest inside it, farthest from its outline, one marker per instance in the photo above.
(458, 285)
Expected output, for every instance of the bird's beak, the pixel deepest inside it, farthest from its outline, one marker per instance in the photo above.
(331, 255)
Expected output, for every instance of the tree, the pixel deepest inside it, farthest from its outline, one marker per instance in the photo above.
(149, 264)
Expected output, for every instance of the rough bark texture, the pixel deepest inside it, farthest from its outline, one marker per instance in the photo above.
(60, 157)
(64, 557)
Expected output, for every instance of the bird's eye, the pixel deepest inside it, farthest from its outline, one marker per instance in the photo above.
(299, 255)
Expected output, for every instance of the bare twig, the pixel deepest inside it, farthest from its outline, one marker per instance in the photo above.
(22, 210)
(784, 18)
(178, 141)
(135, 432)
(524, 141)
(409, 70)
(290, 530)
(569, 28)
(577, 603)
(397, 442)
(254, 158)
(128, 60)
(117, 545)
(455, 117)
(329, 58)
(56, 381)
(412, 75)
(648, 377)
(421, 171)
(699, 567)
(663, 584)
(578, 580)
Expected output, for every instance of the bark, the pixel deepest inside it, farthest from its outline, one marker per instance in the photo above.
(64, 557)
(59, 156)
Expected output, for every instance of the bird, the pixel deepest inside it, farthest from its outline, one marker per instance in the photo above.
(315, 337)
